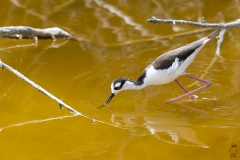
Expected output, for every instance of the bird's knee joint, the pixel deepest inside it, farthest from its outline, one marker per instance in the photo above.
(208, 84)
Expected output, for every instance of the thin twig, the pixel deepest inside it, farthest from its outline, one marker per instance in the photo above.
(35, 121)
(50, 119)
(39, 88)
(56, 118)
(213, 25)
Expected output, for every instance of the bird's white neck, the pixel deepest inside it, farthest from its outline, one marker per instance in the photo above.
(131, 85)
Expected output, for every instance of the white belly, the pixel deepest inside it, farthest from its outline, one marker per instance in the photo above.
(158, 77)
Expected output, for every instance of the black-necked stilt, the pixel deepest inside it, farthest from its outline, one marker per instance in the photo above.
(164, 69)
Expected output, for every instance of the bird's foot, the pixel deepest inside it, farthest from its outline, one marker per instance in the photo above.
(193, 97)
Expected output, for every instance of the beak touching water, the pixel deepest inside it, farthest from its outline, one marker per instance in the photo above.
(108, 101)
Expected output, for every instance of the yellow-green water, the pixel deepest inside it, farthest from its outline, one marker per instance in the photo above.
(116, 43)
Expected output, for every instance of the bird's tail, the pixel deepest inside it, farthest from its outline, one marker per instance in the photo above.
(213, 33)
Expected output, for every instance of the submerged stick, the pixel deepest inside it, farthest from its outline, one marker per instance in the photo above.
(18, 46)
(35, 121)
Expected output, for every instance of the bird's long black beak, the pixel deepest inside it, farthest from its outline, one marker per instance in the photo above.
(108, 101)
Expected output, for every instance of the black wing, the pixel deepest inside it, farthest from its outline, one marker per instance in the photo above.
(140, 79)
(166, 60)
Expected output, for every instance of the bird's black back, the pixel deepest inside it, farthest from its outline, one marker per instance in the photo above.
(166, 60)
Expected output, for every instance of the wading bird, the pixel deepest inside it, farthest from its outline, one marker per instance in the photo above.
(164, 69)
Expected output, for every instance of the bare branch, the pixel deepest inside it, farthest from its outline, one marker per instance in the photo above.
(24, 32)
(39, 88)
(61, 103)
(214, 25)
(220, 41)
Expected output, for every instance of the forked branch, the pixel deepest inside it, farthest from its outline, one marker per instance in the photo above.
(198, 24)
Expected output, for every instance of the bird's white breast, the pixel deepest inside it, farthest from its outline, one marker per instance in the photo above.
(158, 77)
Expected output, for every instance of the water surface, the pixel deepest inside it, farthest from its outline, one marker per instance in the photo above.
(116, 41)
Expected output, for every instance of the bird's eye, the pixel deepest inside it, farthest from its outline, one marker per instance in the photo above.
(116, 88)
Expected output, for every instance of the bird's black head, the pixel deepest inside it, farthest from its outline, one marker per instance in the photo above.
(116, 86)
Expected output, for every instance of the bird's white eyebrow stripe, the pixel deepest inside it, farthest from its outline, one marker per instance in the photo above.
(117, 84)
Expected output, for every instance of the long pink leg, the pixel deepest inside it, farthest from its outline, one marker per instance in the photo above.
(196, 90)
(183, 88)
